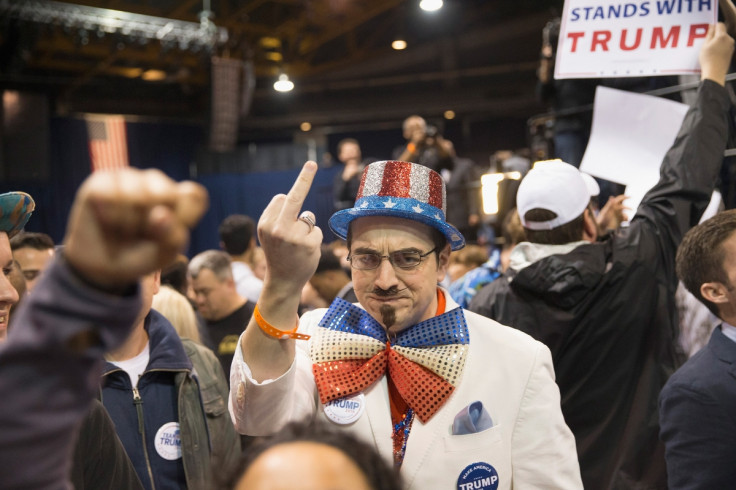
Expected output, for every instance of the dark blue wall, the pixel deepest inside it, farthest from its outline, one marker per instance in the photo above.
(172, 148)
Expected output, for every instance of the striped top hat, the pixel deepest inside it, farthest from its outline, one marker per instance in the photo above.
(15, 209)
(401, 190)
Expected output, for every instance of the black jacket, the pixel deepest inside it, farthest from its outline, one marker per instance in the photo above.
(607, 310)
(100, 461)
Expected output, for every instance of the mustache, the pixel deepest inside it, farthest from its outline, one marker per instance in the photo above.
(393, 291)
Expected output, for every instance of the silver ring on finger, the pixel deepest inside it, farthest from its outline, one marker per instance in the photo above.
(308, 218)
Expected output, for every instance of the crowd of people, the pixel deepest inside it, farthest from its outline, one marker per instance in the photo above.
(402, 354)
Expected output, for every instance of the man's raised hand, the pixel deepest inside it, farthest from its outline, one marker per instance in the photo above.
(291, 246)
(128, 223)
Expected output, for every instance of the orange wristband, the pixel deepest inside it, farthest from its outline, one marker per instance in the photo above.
(274, 332)
(411, 147)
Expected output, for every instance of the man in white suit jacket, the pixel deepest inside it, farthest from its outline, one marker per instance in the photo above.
(453, 399)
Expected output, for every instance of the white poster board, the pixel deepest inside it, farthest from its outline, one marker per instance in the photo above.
(630, 136)
(610, 38)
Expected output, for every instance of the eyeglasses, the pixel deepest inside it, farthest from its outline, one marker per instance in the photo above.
(403, 259)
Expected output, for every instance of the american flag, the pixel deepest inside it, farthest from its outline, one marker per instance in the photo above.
(108, 147)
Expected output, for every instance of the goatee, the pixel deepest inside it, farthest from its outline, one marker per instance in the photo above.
(388, 316)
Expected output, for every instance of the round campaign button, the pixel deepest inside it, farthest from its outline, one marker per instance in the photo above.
(345, 410)
(478, 476)
(168, 441)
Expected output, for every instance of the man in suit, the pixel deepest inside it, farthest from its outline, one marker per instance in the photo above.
(698, 424)
(453, 399)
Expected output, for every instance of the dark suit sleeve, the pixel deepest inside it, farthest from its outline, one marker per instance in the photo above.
(700, 438)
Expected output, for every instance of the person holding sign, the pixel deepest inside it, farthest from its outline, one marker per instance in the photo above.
(605, 306)
(455, 400)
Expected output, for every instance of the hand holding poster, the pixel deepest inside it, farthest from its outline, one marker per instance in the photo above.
(610, 38)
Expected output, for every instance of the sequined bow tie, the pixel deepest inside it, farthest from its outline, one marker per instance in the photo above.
(350, 352)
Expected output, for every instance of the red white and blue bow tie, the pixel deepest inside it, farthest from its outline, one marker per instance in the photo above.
(350, 351)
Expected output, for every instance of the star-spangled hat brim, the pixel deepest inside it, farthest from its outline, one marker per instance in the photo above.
(405, 208)
(15, 210)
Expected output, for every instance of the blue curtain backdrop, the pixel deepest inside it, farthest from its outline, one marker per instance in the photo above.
(171, 148)
(250, 194)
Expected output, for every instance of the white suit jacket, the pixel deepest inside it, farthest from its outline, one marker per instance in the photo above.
(528, 446)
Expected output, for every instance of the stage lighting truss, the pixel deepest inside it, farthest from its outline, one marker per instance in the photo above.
(193, 36)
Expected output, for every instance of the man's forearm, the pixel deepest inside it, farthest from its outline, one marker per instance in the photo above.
(49, 372)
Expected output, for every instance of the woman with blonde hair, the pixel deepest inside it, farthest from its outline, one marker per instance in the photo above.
(178, 310)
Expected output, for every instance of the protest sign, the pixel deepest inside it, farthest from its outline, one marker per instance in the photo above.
(609, 38)
(630, 135)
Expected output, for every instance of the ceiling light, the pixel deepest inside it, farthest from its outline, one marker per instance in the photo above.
(449, 114)
(430, 5)
(305, 126)
(269, 42)
(153, 75)
(283, 84)
(129, 72)
(398, 44)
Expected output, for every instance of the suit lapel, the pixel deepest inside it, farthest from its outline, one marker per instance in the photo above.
(427, 438)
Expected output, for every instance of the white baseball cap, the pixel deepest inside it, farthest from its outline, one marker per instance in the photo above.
(555, 186)
(592, 184)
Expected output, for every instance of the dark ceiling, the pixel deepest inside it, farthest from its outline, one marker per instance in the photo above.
(475, 57)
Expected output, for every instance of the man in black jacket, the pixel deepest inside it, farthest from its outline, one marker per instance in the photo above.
(606, 307)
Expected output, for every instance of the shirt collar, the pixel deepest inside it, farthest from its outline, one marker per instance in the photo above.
(729, 331)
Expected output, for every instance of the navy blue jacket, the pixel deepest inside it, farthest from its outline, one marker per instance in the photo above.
(183, 383)
(698, 418)
(139, 416)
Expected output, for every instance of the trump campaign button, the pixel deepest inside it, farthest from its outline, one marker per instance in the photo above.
(478, 476)
(345, 410)
(168, 441)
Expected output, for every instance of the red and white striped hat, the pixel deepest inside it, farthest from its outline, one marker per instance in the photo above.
(402, 190)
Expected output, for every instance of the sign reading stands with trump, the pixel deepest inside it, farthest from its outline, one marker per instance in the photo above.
(609, 38)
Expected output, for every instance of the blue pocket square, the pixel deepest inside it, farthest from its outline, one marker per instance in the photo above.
(472, 419)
